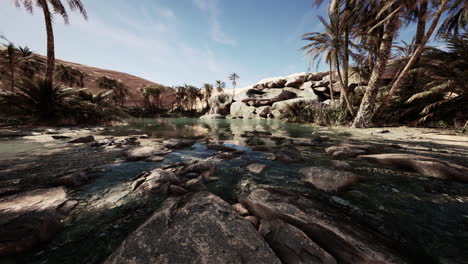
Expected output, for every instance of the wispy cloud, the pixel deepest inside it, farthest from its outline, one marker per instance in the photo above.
(211, 8)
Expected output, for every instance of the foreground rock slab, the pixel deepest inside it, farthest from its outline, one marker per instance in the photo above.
(328, 179)
(341, 238)
(427, 166)
(30, 218)
(195, 228)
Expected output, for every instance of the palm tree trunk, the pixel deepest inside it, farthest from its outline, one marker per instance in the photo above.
(343, 86)
(366, 109)
(417, 53)
(49, 75)
(12, 73)
(331, 83)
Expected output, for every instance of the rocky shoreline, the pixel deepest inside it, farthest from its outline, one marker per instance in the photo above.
(366, 202)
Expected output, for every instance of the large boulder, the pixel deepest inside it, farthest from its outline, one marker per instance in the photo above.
(268, 97)
(273, 82)
(195, 228)
(342, 238)
(308, 93)
(427, 166)
(328, 179)
(317, 76)
(278, 108)
(296, 80)
(219, 104)
(30, 219)
(292, 245)
(241, 110)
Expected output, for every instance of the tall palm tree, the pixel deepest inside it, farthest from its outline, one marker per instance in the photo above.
(233, 77)
(388, 18)
(58, 8)
(220, 85)
(329, 45)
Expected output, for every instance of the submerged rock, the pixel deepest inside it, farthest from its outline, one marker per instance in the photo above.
(212, 116)
(82, 140)
(340, 165)
(73, 180)
(427, 166)
(142, 153)
(346, 241)
(195, 228)
(288, 155)
(327, 179)
(178, 143)
(292, 245)
(220, 148)
(349, 150)
(256, 168)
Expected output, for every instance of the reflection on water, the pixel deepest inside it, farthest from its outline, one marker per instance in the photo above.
(219, 129)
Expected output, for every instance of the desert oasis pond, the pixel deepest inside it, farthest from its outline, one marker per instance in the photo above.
(78, 195)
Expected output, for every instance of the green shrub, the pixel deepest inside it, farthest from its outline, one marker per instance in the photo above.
(35, 100)
(302, 112)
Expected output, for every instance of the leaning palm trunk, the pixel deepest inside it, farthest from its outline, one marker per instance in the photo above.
(417, 53)
(49, 75)
(367, 107)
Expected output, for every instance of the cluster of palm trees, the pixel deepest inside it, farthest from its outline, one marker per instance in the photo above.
(364, 31)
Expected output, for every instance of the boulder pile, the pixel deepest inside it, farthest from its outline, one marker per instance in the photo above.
(270, 97)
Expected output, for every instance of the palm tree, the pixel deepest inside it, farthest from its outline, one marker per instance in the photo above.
(120, 90)
(416, 54)
(329, 45)
(444, 89)
(208, 92)
(13, 59)
(387, 18)
(69, 76)
(58, 8)
(153, 96)
(233, 77)
(456, 22)
(220, 85)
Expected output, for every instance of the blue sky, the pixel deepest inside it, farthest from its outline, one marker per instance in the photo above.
(177, 41)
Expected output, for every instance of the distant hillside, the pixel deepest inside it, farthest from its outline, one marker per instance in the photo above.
(133, 82)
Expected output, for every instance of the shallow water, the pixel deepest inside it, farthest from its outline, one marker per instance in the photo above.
(108, 211)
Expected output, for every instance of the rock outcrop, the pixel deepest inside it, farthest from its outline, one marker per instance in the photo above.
(270, 97)
(195, 228)
(329, 232)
